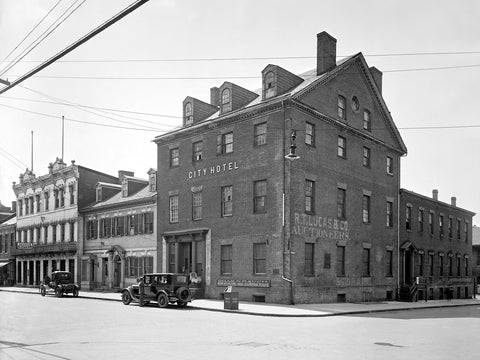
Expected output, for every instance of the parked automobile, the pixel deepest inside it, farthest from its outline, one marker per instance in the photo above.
(162, 288)
(59, 284)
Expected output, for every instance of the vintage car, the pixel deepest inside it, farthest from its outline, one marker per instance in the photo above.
(163, 288)
(60, 283)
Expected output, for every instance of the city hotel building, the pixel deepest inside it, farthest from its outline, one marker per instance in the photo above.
(290, 194)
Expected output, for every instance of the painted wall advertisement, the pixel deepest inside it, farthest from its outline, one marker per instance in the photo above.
(321, 227)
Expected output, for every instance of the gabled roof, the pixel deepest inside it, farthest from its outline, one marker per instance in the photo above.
(118, 200)
(311, 81)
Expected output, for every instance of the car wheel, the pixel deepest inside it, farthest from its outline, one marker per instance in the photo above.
(182, 304)
(182, 294)
(58, 292)
(75, 292)
(43, 291)
(162, 300)
(126, 298)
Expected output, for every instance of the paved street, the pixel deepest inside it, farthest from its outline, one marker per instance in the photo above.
(33, 327)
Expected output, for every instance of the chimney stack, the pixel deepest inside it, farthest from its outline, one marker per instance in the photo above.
(14, 206)
(377, 77)
(435, 194)
(215, 96)
(123, 173)
(326, 52)
(454, 201)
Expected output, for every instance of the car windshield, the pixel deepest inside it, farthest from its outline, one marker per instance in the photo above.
(63, 278)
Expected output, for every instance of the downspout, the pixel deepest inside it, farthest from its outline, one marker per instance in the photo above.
(398, 227)
(286, 236)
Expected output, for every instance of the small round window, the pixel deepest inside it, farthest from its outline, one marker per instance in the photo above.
(355, 104)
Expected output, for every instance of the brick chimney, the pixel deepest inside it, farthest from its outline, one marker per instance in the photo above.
(215, 96)
(326, 52)
(14, 206)
(122, 173)
(377, 77)
(453, 201)
(435, 194)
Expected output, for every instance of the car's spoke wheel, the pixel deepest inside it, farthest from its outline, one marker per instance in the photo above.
(162, 300)
(126, 298)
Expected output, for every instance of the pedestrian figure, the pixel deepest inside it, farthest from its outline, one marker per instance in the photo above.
(141, 290)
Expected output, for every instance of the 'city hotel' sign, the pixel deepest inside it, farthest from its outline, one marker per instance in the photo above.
(214, 169)
(320, 227)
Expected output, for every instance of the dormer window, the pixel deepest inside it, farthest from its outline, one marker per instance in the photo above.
(226, 96)
(99, 194)
(269, 85)
(188, 113)
(153, 181)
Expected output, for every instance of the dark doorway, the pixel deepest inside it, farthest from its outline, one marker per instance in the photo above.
(117, 276)
(408, 267)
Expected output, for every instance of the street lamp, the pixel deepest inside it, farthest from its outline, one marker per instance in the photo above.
(292, 155)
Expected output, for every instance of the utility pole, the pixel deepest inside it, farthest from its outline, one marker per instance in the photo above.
(76, 44)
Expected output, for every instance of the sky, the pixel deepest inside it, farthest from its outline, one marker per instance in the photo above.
(126, 85)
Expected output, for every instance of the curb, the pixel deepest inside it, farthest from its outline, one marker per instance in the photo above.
(345, 313)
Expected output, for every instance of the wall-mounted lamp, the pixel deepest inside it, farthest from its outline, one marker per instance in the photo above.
(292, 155)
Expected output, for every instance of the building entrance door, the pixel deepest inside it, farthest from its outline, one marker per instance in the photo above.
(408, 267)
(185, 257)
(104, 271)
(117, 276)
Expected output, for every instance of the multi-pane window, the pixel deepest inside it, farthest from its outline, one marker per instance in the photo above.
(197, 151)
(188, 113)
(137, 266)
(227, 200)
(62, 197)
(269, 85)
(173, 209)
(440, 224)
(174, 157)
(389, 165)
(259, 196)
(430, 222)
(54, 233)
(408, 217)
(440, 265)
(366, 157)
(225, 143)
(309, 269)
(45, 234)
(466, 266)
(340, 260)
(119, 225)
(171, 257)
(225, 96)
(37, 202)
(57, 199)
(459, 224)
(260, 134)
(420, 219)
(342, 147)
(259, 258)
(46, 197)
(105, 228)
(62, 232)
(327, 260)
(309, 196)
(341, 197)
(366, 262)
(420, 264)
(430, 261)
(197, 205)
(367, 121)
(133, 224)
(72, 231)
(366, 208)
(450, 226)
(309, 134)
(450, 266)
(459, 265)
(226, 260)
(148, 222)
(389, 214)
(341, 105)
(72, 194)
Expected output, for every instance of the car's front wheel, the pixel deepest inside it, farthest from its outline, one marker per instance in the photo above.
(162, 300)
(75, 292)
(126, 298)
(43, 291)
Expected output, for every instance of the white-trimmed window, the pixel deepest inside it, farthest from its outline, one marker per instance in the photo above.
(341, 105)
(173, 209)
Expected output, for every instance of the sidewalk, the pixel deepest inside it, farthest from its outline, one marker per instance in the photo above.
(300, 310)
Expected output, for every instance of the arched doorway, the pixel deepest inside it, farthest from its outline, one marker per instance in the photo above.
(408, 251)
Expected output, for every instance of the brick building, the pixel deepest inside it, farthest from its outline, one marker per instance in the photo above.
(436, 245)
(7, 241)
(288, 193)
(120, 239)
(48, 223)
(476, 256)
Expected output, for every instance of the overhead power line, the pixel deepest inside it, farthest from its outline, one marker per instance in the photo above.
(255, 58)
(15, 161)
(26, 36)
